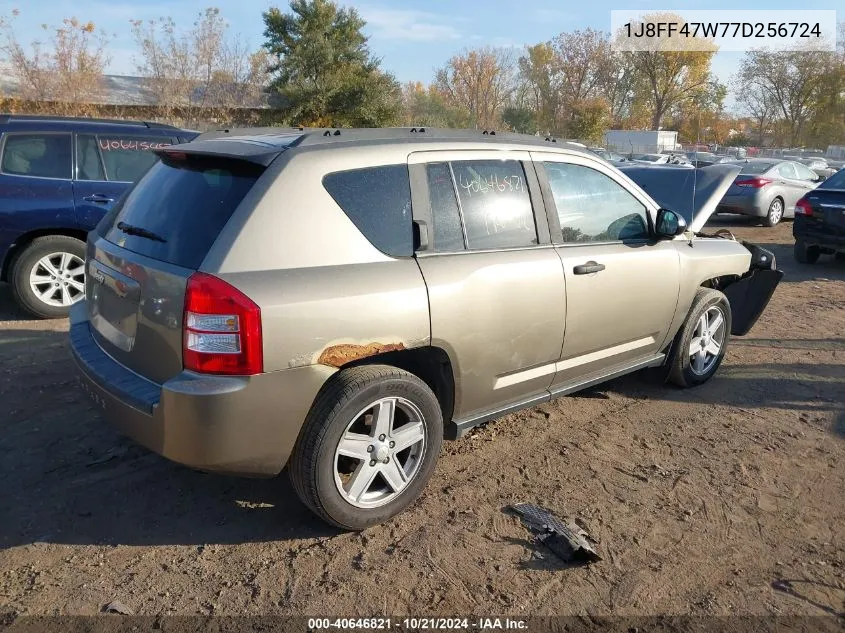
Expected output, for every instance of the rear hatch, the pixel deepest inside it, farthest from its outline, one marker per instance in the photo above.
(143, 252)
(827, 208)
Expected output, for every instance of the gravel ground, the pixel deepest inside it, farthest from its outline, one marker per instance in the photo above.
(702, 501)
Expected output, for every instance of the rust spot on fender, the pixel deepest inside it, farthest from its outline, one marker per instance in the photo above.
(339, 355)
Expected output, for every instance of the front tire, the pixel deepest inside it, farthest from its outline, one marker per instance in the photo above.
(48, 276)
(368, 447)
(701, 343)
(805, 254)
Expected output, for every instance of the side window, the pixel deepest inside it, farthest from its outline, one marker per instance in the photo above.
(787, 170)
(448, 232)
(804, 173)
(495, 204)
(40, 155)
(593, 207)
(127, 158)
(378, 201)
(89, 163)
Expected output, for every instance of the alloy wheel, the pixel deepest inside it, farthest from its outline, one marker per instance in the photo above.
(380, 452)
(58, 279)
(707, 341)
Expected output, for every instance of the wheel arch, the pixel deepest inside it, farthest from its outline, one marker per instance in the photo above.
(429, 363)
(26, 239)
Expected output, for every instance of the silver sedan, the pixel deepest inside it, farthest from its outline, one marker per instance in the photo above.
(768, 189)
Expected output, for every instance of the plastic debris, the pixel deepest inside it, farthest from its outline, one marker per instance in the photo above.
(115, 606)
(566, 540)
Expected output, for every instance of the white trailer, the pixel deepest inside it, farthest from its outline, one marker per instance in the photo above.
(641, 141)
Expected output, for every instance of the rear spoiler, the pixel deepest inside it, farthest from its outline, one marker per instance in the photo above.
(261, 150)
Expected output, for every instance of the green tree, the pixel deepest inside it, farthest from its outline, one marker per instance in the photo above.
(323, 68)
(520, 119)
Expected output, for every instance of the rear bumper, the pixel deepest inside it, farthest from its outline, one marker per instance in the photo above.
(236, 425)
(814, 233)
(756, 204)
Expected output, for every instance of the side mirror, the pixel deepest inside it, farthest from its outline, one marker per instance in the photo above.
(669, 224)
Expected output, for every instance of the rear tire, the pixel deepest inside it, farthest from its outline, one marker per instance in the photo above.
(343, 440)
(805, 254)
(775, 213)
(700, 345)
(29, 267)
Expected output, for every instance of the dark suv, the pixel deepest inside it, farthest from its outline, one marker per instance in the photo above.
(58, 177)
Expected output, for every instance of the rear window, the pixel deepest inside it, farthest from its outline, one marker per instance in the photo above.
(756, 168)
(836, 181)
(185, 202)
(378, 201)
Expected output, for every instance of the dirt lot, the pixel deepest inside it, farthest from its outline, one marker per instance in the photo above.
(702, 501)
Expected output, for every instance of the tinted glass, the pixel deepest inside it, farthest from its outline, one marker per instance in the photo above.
(127, 158)
(187, 202)
(756, 168)
(448, 234)
(41, 155)
(836, 181)
(378, 201)
(787, 170)
(592, 207)
(495, 204)
(89, 165)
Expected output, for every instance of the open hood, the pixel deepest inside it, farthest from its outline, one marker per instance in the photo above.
(694, 193)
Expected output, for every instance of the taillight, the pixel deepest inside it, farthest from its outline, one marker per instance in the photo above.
(803, 207)
(756, 183)
(222, 329)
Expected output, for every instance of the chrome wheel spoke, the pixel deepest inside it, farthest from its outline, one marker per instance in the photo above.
(394, 475)
(40, 280)
(383, 414)
(695, 345)
(66, 300)
(78, 285)
(361, 480)
(716, 323)
(408, 435)
(47, 295)
(355, 445)
(713, 348)
(700, 360)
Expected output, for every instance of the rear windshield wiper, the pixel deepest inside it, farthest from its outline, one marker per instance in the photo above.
(140, 232)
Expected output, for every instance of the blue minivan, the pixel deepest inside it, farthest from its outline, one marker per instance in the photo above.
(58, 177)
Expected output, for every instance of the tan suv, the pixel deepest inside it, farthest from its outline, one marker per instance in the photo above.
(338, 301)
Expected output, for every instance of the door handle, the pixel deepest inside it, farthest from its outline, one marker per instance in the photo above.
(589, 267)
(98, 197)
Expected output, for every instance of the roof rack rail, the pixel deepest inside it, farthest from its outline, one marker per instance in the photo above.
(5, 118)
(316, 136)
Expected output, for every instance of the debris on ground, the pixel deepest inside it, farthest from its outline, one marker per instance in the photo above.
(115, 606)
(567, 541)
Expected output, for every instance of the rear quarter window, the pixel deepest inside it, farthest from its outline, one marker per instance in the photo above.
(186, 202)
(378, 201)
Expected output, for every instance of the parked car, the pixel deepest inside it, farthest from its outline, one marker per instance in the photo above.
(819, 225)
(656, 159)
(58, 177)
(768, 189)
(608, 155)
(819, 166)
(337, 301)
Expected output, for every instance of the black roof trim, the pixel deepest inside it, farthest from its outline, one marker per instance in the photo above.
(322, 136)
(6, 118)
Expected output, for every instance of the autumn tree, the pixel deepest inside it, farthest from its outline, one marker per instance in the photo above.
(427, 106)
(792, 80)
(666, 78)
(759, 104)
(537, 83)
(67, 67)
(480, 81)
(323, 67)
(201, 66)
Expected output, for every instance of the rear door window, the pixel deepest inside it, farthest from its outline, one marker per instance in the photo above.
(37, 155)
(127, 158)
(378, 201)
(448, 232)
(186, 202)
(787, 170)
(89, 163)
(495, 204)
